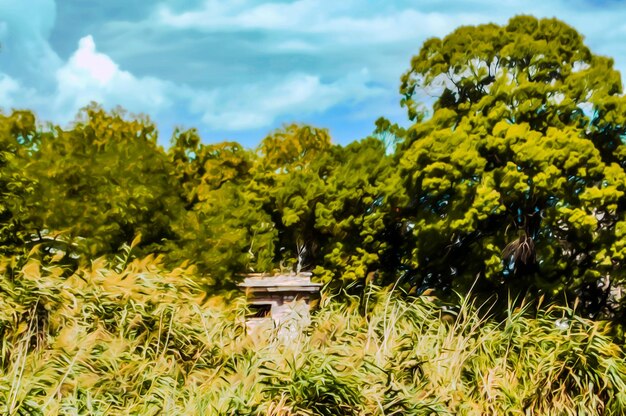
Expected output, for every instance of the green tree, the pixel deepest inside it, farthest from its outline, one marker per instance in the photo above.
(328, 203)
(517, 176)
(356, 215)
(188, 160)
(18, 138)
(103, 182)
(225, 230)
(288, 177)
(299, 203)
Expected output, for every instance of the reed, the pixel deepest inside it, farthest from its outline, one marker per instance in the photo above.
(129, 337)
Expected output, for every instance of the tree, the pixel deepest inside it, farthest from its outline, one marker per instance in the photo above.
(18, 138)
(288, 177)
(328, 203)
(517, 176)
(103, 182)
(355, 214)
(225, 230)
(185, 153)
(300, 203)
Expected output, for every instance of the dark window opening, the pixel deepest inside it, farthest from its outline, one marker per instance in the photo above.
(259, 311)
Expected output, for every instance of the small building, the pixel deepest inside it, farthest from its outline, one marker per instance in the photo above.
(280, 301)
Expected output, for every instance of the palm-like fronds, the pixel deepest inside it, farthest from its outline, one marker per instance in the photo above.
(520, 251)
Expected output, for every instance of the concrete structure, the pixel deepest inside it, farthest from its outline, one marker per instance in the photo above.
(281, 301)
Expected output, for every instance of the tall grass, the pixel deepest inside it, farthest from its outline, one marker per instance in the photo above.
(129, 337)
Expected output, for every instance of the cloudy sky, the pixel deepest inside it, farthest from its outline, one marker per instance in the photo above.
(237, 69)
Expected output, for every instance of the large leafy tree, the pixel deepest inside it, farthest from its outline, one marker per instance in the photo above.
(224, 231)
(355, 214)
(288, 177)
(328, 203)
(298, 203)
(103, 182)
(517, 175)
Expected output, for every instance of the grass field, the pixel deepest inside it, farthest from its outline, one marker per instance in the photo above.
(128, 337)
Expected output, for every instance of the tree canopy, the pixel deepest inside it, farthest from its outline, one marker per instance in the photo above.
(104, 181)
(518, 174)
(508, 176)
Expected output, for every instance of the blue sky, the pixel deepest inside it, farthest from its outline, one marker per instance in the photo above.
(238, 69)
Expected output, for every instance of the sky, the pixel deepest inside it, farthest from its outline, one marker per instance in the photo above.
(239, 69)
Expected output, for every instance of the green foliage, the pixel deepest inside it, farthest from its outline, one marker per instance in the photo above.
(328, 203)
(289, 179)
(516, 175)
(299, 203)
(523, 151)
(355, 212)
(314, 384)
(514, 184)
(103, 182)
(18, 138)
(225, 230)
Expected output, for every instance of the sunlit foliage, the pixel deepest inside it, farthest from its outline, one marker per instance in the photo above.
(513, 178)
(517, 175)
(128, 337)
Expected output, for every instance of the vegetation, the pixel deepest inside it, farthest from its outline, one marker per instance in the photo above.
(518, 174)
(515, 175)
(118, 257)
(128, 337)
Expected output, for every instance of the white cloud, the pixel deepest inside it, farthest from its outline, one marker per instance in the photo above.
(258, 105)
(235, 15)
(295, 46)
(96, 65)
(8, 89)
(14, 94)
(90, 75)
(332, 20)
(341, 37)
(25, 27)
(93, 76)
(324, 27)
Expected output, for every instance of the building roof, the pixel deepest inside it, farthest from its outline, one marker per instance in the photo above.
(280, 283)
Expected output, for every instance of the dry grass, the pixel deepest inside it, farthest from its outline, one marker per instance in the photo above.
(131, 338)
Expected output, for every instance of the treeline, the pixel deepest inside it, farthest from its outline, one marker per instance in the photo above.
(298, 201)
(513, 182)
